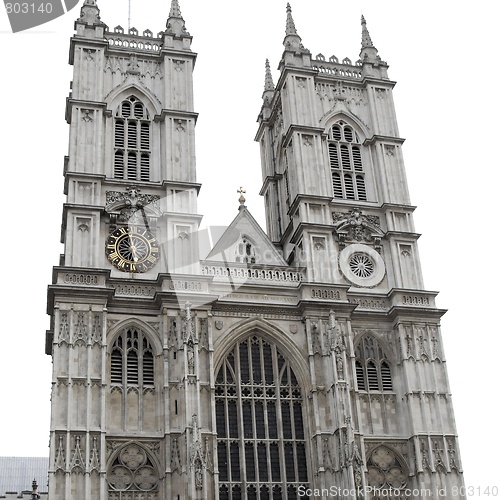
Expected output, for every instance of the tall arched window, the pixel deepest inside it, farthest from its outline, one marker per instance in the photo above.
(132, 151)
(132, 376)
(132, 362)
(344, 153)
(260, 431)
(373, 371)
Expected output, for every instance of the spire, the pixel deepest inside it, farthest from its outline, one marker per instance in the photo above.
(175, 23)
(366, 40)
(290, 25)
(368, 52)
(268, 83)
(175, 10)
(292, 41)
(267, 96)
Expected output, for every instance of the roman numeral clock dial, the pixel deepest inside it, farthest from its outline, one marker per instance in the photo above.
(132, 249)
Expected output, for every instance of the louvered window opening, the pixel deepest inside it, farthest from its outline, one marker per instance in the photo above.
(373, 371)
(132, 360)
(261, 445)
(344, 153)
(132, 147)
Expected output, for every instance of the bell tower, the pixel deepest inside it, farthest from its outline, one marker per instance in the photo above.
(338, 206)
(333, 168)
(129, 223)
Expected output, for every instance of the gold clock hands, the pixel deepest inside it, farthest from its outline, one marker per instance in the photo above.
(133, 249)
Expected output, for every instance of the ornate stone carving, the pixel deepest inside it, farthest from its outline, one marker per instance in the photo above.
(355, 227)
(133, 67)
(80, 333)
(132, 471)
(204, 344)
(175, 456)
(424, 454)
(96, 331)
(438, 454)
(409, 344)
(208, 455)
(385, 470)
(190, 358)
(94, 463)
(327, 453)
(188, 326)
(390, 150)
(77, 463)
(60, 455)
(452, 459)
(197, 460)
(64, 329)
(129, 206)
(315, 338)
(172, 338)
(87, 115)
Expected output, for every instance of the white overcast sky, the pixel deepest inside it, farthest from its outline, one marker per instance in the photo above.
(442, 53)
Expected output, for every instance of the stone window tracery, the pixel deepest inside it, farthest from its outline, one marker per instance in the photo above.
(133, 476)
(132, 361)
(361, 265)
(132, 398)
(373, 371)
(261, 443)
(386, 471)
(132, 148)
(344, 154)
(245, 251)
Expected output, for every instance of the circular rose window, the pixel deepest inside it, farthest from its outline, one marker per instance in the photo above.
(362, 265)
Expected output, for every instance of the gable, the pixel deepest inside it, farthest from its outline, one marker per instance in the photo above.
(244, 242)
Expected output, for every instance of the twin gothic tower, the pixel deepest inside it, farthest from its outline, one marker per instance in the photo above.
(304, 359)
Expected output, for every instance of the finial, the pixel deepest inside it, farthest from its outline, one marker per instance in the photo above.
(34, 493)
(290, 25)
(268, 83)
(366, 40)
(89, 13)
(292, 41)
(175, 10)
(175, 21)
(241, 198)
(369, 53)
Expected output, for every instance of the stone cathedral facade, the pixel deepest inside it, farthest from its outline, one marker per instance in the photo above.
(302, 360)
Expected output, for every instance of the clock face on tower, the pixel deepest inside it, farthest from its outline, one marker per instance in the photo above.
(132, 249)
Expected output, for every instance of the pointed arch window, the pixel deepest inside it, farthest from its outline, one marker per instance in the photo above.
(261, 444)
(132, 360)
(373, 370)
(132, 141)
(344, 154)
(132, 398)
